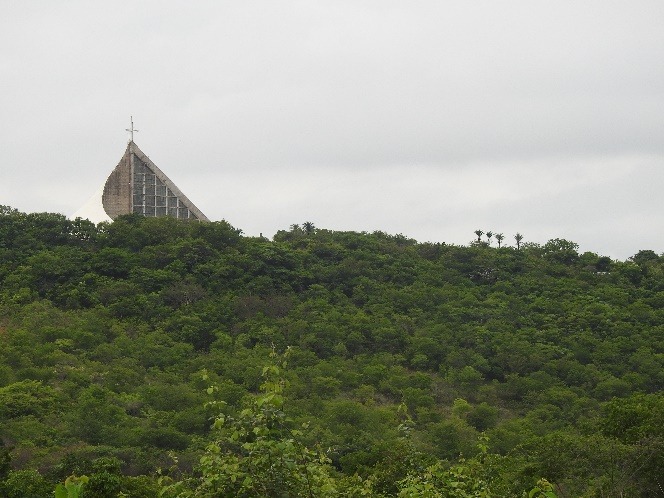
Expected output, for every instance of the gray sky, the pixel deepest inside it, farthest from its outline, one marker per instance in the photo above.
(427, 118)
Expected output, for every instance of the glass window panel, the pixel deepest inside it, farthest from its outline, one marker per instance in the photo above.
(161, 190)
(172, 202)
(173, 212)
(161, 201)
(183, 213)
(161, 211)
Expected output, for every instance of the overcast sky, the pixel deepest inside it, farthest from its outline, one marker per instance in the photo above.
(427, 118)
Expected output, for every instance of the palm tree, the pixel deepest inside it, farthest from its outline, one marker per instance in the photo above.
(295, 227)
(479, 234)
(499, 238)
(308, 227)
(489, 234)
(518, 237)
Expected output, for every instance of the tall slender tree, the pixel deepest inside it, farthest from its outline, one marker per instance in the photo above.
(518, 237)
(308, 227)
(489, 234)
(499, 238)
(479, 234)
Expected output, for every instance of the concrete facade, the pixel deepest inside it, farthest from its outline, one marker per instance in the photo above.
(116, 199)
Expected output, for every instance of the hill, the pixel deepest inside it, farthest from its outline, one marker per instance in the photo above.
(400, 354)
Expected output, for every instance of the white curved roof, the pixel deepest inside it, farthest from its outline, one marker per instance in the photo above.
(93, 209)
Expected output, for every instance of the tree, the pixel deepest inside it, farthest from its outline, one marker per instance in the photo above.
(259, 453)
(479, 234)
(308, 227)
(643, 256)
(27, 397)
(5, 455)
(97, 416)
(518, 237)
(71, 488)
(489, 234)
(472, 478)
(499, 238)
(25, 484)
(561, 250)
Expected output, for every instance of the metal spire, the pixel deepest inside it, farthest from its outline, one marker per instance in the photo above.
(131, 129)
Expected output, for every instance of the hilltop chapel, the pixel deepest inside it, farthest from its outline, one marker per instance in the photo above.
(137, 185)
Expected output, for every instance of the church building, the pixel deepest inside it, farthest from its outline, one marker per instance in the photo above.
(138, 186)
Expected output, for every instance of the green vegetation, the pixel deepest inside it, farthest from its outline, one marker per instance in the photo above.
(137, 354)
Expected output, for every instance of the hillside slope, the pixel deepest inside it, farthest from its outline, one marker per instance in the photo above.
(558, 357)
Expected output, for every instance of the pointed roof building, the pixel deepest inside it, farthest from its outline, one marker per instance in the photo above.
(138, 186)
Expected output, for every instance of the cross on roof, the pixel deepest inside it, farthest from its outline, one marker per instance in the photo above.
(131, 129)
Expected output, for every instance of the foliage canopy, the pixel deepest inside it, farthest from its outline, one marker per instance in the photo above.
(555, 356)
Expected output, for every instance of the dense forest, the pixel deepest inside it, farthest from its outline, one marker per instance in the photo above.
(164, 358)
